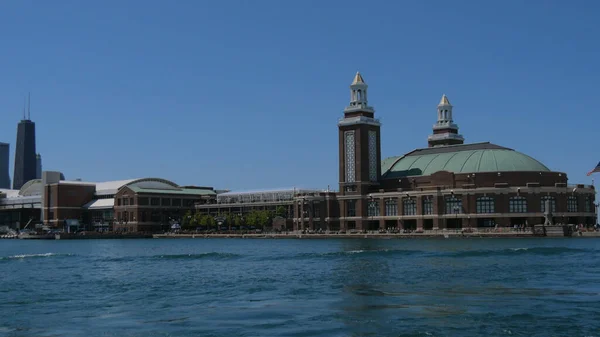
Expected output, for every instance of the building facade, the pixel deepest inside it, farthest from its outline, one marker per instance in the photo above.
(449, 184)
(145, 205)
(4, 164)
(25, 159)
(38, 166)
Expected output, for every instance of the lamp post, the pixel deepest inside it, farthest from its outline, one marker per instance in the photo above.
(370, 210)
(456, 209)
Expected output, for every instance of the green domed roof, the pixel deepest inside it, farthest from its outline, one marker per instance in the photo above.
(470, 158)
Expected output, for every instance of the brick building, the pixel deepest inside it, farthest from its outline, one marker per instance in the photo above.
(148, 204)
(449, 184)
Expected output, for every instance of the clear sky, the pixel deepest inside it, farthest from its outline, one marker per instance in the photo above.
(247, 94)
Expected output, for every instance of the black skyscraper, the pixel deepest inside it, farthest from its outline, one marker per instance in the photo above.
(4, 177)
(25, 160)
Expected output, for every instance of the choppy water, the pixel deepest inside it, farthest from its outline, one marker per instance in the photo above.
(237, 287)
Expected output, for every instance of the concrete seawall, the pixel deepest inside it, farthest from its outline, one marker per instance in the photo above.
(348, 236)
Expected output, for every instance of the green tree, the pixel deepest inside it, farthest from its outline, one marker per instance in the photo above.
(210, 221)
(281, 211)
(186, 222)
(237, 221)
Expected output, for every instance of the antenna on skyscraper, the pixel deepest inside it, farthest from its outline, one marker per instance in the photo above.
(29, 105)
(23, 108)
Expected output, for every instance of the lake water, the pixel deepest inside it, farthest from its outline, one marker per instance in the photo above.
(246, 287)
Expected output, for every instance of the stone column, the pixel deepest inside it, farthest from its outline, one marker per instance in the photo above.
(419, 213)
(438, 210)
(382, 213)
(311, 211)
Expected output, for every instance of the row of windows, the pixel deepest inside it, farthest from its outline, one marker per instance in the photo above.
(409, 207)
(453, 205)
(145, 201)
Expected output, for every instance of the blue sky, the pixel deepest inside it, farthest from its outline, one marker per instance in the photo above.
(246, 94)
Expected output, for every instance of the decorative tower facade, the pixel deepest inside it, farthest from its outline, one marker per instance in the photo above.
(445, 132)
(359, 152)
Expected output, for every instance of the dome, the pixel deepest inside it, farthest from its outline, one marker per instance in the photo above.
(469, 158)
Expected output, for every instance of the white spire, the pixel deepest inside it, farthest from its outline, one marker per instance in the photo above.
(444, 111)
(444, 100)
(358, 94)
(358, 79)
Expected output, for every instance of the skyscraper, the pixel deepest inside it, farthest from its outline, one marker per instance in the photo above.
(25, 160)
(4, 155)
(38, 166)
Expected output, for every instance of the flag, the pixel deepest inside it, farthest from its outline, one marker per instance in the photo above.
(596, 169)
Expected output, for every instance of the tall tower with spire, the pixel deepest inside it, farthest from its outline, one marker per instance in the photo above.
(445, 132)
(25, 154)
(359, 152)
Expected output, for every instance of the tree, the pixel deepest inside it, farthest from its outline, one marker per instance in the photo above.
(281, 211)
(251, 219)
(187, 221)
(237, 221)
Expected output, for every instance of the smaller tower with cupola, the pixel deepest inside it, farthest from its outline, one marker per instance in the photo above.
(445, 131)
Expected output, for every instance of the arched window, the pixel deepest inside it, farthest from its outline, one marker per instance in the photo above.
(552, 203)
(517, 205)
(409, 206)
(391, 207)
(427, 205)
(359, 95)
(572, 204)
(485, 205)
(453, 205)
(373, 208)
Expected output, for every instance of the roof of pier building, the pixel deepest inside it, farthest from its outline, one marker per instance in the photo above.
(267, 195)
(464, 158)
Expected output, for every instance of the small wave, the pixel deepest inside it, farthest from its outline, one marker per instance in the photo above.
(31, 256)
(196, 256)
(520, 251)
(351, 254)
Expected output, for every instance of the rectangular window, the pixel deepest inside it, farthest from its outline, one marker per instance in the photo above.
(572, 204)
(409, 206)
(125, 201)
(176, 202)
(427, 205)
(316, 211)
(588, 205)
(143, 201)
(391, 207)
(350, 208)
(119, 202)
(349, 154)
(373, 209)
(155, 201)
(517, 205)
(453, 205)
(485, 205)
(166, 202)
(131, 201)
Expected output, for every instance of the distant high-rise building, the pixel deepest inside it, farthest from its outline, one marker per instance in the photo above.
(25, 159)
(4, 157)
(38, 166)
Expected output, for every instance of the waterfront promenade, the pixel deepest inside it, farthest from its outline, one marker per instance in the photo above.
(369, 235)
